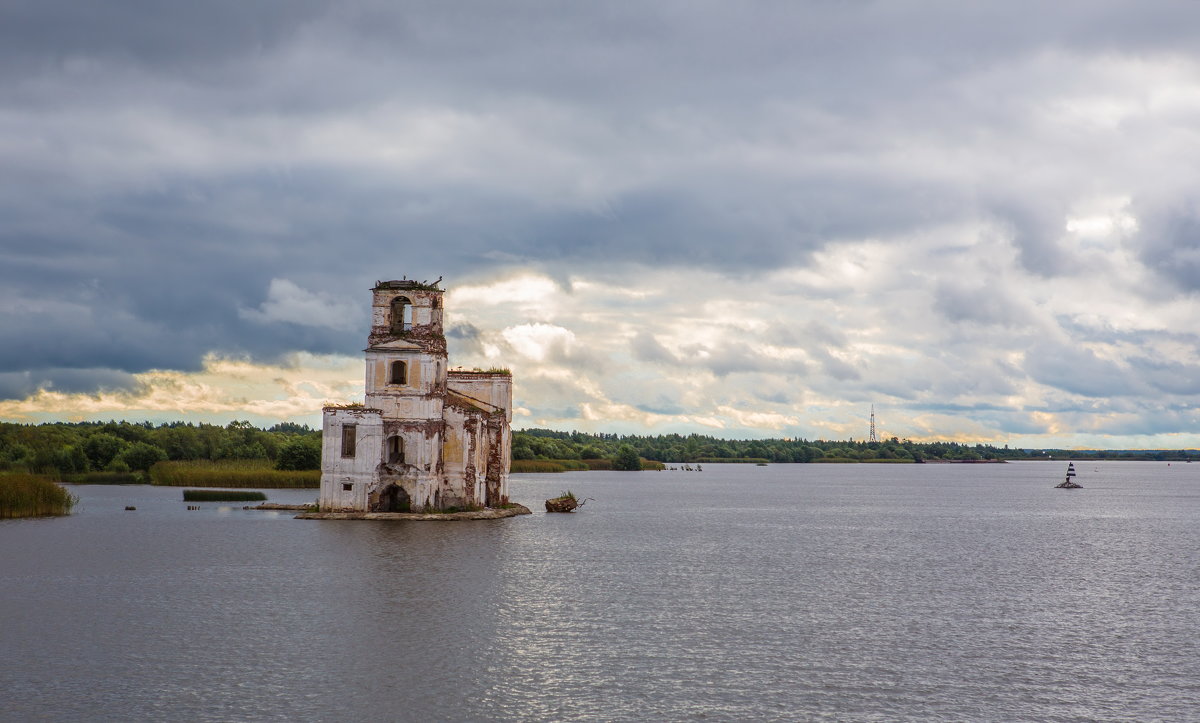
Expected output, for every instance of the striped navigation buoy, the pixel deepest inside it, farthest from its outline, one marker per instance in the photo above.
(1069, 483)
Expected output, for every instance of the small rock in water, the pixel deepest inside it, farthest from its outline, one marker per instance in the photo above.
(130, 507)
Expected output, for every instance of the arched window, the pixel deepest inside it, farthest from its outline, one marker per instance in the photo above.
(396, 450)
(399, 373)
(402, 314)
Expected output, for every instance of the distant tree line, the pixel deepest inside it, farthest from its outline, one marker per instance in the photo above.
(124, 447)
(544, 444)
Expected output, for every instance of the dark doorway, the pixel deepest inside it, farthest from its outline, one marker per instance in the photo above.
(394, 499)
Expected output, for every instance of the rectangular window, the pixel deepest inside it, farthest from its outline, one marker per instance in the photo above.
(347, 487)
(348, 439)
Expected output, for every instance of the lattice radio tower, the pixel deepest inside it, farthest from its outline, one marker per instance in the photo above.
(873, 437)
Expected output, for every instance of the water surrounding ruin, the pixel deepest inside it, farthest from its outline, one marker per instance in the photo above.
(834, 592)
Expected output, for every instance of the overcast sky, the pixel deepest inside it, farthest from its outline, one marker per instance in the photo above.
(742, 219)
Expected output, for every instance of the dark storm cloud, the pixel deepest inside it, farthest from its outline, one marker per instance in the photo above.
(1172, 243)
(741, 359)
(463, 339)
(166, 163)
(1168, 376)
(101, 335)
(1078, 371)
(463, 330)
(647, 348)
(1034, 229)
(660, 405)
(18, 385)
(157, 279)
(972, 301)
(956, 408)
(144, 32)
(834, 367)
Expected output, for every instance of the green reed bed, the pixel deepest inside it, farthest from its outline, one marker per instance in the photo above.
(600, 465)
(231, 473)
(33, 495)
(225, 495)
(546, 465)
(851, 460)
(104, 478)
(573, 465)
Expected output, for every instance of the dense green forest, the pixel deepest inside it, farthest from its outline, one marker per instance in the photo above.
(123, 448)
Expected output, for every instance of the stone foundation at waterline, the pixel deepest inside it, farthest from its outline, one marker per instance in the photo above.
(488, 513)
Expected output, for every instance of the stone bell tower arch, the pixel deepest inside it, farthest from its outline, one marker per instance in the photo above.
(406, 382)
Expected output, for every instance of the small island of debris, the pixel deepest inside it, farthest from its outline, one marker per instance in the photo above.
(566, 502)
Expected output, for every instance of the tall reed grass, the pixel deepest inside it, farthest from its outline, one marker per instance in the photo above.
(33, 495)
(851, 460)
(104, 478)
(572, 465)
(223, 496)
(607, 464)
(546, 465)
(231, 473)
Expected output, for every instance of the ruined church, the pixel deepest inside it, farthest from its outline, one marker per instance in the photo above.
(426, 438)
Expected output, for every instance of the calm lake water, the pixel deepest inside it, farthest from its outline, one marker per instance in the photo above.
(789, 592)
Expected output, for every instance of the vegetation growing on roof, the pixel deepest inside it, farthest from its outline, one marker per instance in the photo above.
(410, 284)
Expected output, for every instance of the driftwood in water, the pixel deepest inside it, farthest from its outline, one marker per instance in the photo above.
(566, 502)
(562, 504)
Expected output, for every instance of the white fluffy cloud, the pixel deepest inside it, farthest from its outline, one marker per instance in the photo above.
(293, 390)
(773, 357)
(287, 302)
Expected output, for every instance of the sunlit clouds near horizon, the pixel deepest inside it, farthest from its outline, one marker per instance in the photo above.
(750, 221)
